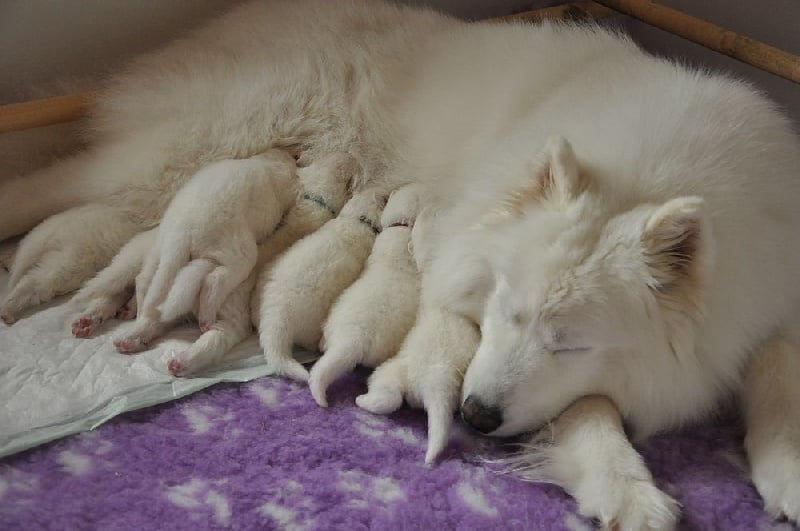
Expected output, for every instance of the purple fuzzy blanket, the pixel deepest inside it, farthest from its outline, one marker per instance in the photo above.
(262, 455)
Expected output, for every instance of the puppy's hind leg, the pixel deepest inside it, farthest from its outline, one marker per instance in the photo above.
(59, 255)
(106, 294)
(210, 348)
(235, 265)
(585, 451)
(772, 415)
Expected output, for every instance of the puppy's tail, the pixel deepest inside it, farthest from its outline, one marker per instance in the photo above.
(440, 393)
(182, 296)
(333, 364)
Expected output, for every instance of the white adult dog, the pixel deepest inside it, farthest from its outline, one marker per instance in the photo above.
(647, 252)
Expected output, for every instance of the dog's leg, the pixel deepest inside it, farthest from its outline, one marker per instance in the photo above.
(772, 414)
(232, 327)
(585, 451)
(182, 296)
(235, 264)
(62, 253)
(275, 337)
(435, 355)
(105, 295)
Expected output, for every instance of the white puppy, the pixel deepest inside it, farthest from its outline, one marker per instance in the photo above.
(325, 183)
(325, 191)
(305, 282)
(111, 291)
(249, 197)
(427, 372)
(372, 317)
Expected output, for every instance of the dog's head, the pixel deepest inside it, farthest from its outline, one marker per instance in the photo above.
(330, 178)
(584, 279)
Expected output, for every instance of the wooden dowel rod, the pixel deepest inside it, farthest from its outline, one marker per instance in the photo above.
(48, 111)
(711, 36)
(582, 10)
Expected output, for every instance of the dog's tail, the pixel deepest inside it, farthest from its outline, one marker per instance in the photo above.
(182, 296)
(333, 364)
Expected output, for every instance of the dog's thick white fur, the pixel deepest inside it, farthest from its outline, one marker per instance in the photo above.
(644, 252)
(368, 323)
(647, 254)
(207, 243)
(313, 77)
(427, 372)
(112, 291)
(306, 281)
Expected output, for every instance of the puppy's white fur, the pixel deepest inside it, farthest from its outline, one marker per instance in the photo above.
(248, 198)
(427, 372)
(306, 281)
(368, 323)
(325, 182)
(112, 288)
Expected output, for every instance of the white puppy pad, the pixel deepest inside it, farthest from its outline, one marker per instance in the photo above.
(53, 385)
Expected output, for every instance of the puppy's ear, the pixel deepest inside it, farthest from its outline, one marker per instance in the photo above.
(672, 240)
(554, 179)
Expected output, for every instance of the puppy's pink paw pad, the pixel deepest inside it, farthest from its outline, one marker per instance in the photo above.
(7, 317)
(83, 327)
(176, 367)
(128, 346)
(125, 313)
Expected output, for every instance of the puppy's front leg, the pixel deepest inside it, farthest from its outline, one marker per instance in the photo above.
(772, 414)
(585, 451)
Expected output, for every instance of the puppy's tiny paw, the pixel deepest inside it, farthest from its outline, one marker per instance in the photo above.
(125, 313)
(129, 345)
(380, 401)
(177, 367)
(7, 317)
(84, 326)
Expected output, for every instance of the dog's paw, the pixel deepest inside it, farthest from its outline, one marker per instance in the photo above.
(128, 310)
(628, 504)
(776, 476)
(7, 316)
(178, 367)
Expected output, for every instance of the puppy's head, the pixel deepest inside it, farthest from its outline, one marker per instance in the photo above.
(366, 205)
(582, 280)
(403, 206)
(329, 177)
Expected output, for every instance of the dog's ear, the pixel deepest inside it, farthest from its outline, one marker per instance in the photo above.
(554, 179)
(672, 241)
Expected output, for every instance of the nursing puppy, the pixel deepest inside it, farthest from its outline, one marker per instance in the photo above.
(112, 291)
(427, 372)
(306, 281)
(324, 185)
(248, 197)
(368, 323)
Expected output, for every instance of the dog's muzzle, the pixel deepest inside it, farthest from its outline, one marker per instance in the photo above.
(483, 418)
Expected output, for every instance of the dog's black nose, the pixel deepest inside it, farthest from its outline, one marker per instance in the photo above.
(483, 418)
